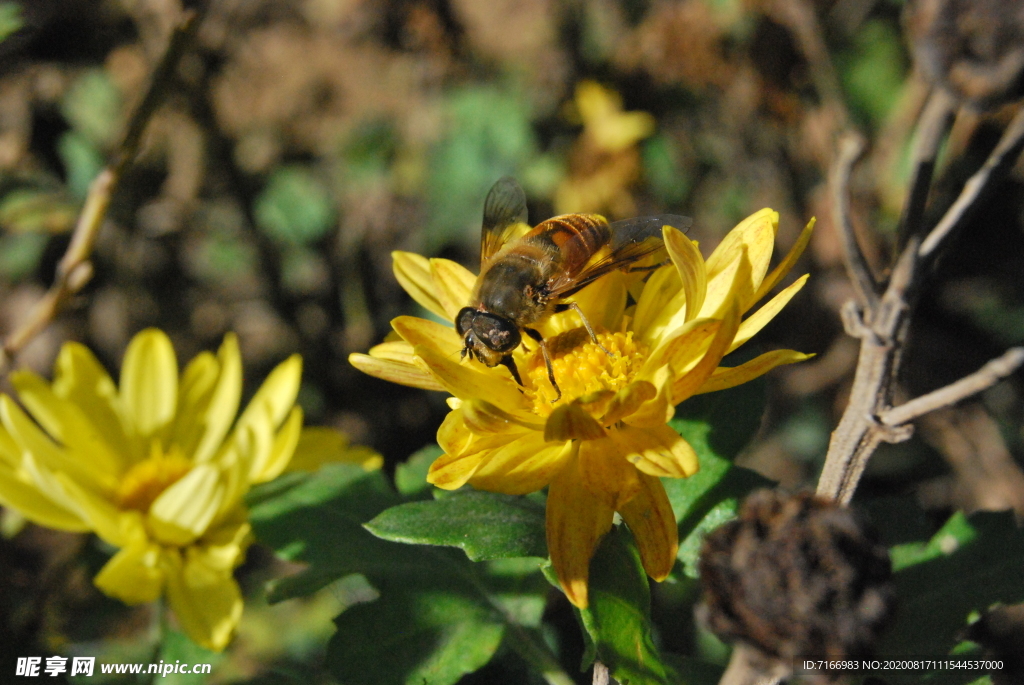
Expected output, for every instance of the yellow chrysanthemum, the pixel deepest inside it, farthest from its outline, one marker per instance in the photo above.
(156, 467)
(602, 447)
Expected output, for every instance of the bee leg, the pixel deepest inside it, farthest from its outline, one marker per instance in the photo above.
(510, 364)
(653, 267)
(593, 336)
(547, 361)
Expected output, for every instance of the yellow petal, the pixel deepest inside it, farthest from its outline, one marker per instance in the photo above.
(759, 319)
(453, 285)
(413, 273)
(787, 263)
(133, 575)
(149, 383)
(208, 605)
(31, 503)
(728, 377)
(754, 236)
(112, 525)
(690, 266)
(48, 454)
(482, 417)
(452, 471)
(657, 303)
(606, 473)
(442, 339)
(79, 378)
(602, 302)
(682, 347)
(68, 425)
(658, 451)
(649, 515)
(469, 380)
(626, 402)
(571, 422)
(277, 394)
(183, 511)
(524, 465)
(319, 445)
(393, 371)
(732, 284)
(576, 522)
(685, 386)
(211, 413)
(656, 410)
(285, 442)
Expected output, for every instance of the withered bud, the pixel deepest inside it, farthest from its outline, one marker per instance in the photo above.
(973, 48)
(796, 576)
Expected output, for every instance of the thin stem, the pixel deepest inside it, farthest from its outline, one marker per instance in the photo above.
(850, 149)
(75, 270)
(982, 379)
(1005, 154)
(934, 124)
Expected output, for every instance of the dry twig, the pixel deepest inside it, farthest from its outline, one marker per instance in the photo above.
(881, 323)
(75, 269)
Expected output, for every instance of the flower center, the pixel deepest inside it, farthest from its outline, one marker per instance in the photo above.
(146, 480)
(581, 367)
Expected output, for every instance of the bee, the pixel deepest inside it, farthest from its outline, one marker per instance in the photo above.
(526, 273)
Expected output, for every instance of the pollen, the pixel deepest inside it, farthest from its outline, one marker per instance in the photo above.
(146, 480)
(581, 367)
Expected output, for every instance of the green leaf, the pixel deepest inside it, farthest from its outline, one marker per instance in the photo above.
(20, 254)
(968, 565)
(318, 518)
(669, 181)
(35, 210)
(411, 475)
(873, 71)
(177, 648)
(92, 105)
(484, 525)
(618, 618)
(295, 207)
(710, 497)
(82, 162)
(413, 638)
(10, 19)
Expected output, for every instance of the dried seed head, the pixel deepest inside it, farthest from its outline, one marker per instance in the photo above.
(974, 48)
(796, 576)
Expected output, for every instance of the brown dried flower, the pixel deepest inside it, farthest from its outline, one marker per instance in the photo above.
(796, 576)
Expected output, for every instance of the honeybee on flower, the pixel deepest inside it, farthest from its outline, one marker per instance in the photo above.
(590, 417)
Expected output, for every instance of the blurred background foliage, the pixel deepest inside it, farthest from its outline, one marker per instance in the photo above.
(304, 140)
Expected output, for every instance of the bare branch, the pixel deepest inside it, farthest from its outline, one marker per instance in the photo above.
(982, 379)
(934, 124)
(75, 270)
(850, 149)
(1005, 154)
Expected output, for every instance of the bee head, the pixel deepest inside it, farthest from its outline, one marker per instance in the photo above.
(489, 338)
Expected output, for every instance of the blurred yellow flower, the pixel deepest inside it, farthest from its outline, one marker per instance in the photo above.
(604, 161)
(156, 467)
(602, 447)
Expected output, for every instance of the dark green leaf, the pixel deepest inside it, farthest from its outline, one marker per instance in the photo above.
(413, 638)
(92, 105)
(618, 619)
(968, 565)
(295, 207)
(82, 162)
(177, 648)
(20, 254)
(10, 19)
(709, 498)
(411, 475)
(484, 525)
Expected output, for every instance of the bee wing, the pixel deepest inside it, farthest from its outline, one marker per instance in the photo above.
(504, 217)
(631, 240)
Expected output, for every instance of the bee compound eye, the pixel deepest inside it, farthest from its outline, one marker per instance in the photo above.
(464, 320)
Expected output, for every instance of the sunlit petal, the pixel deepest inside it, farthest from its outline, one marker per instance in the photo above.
(649, 515)
(779, 272)
(183, 511)
(412, 272)
(453, 285)
(524, 465)
(728, 377)
(656, 451)
(576, 521)
(394, 371)
(149, 383)
(605, 471)
(208, 604)
(690, 266)
(759, 319)
(133, 575)
(216, 417)
(319, 445)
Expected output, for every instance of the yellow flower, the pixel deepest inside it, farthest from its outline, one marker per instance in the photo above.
(156, 467)
(602, 447)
